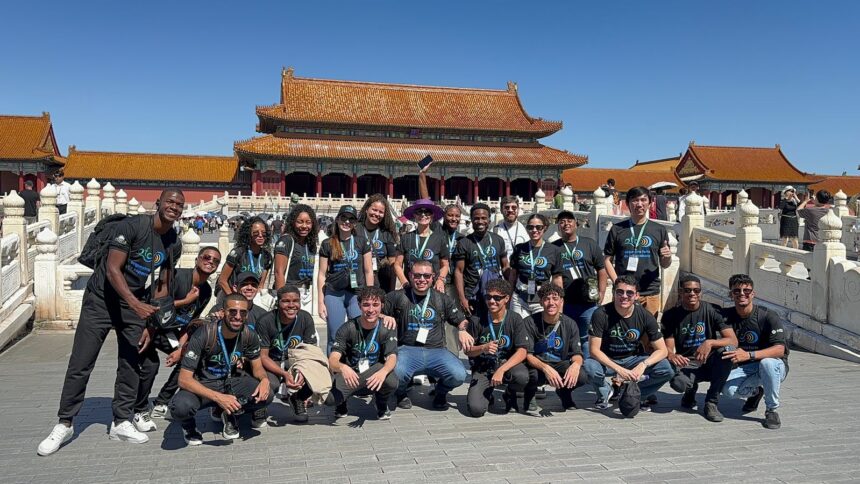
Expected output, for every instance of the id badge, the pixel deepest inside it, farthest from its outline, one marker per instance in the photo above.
(532, 289)
(363, 365)
(353, 280)
(374, 263)
(171, 338)
(480, 272)
(423, 333)
(574, 275)
(632, 263)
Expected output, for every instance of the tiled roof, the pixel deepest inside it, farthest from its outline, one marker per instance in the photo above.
(270, 146)
(850, 185)
(746, 164)
(84, 165)
(27, 138)
(589, 179)
(664, 164)
(326, 102)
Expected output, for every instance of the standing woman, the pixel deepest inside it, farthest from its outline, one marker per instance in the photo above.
(533, 263)
(296, 252)
(345, 266)
(788, 223)
(423, 244)
(376, 225)
(252, 253)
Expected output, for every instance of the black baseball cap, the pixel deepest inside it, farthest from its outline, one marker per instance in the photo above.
(245, 276)
(565, 214)
(347, 211)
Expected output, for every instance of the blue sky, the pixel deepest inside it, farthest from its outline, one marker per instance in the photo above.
(631, 80)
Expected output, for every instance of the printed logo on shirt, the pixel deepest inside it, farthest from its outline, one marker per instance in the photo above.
(540, 262)
(291, 343)
(429, 314)
(120, 239)
(146, 254)
(630, 336)
(191, 355)
(426, 255)
(505, 340)
(376, 246)
(645, 242)
(749, 337)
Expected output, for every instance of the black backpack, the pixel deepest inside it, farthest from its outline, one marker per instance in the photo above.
(95, 248)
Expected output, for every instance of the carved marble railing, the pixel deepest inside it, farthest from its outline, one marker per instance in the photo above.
(32, 231)
(712, 253)
(90, 222)
(10, 266)
(782, 275)
(68, 237)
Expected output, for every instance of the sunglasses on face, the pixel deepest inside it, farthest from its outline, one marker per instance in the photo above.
(258, 234)
(350, 221)
(422, 275)
(622, 293)
(533, 228)
(494, 297)
(210, 258)
(510, 208)
(423, 211)
(746, 291)
(237, 312)
(692, 290)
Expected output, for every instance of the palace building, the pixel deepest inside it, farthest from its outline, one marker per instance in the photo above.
(28, 151)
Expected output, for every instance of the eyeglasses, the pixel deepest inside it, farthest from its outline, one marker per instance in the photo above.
(210, 258)
(533, 228)
(494, 297)
(422, 275)
(511, 208)
(622, 293)
(746, 291)
(237, 312)
(692, 290)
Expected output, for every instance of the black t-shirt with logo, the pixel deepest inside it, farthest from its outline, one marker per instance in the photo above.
(553, 342)
(451, 242)
(484, 253)
(547, 262)
(435, 249)
(691, 328)
(205, 355)
(354, 342)
(620, 337)
(381, 241)
(300, 261)
(279, 337)
(760, 330)
(241, 259)
(586, 254)
(405, 307)
(183, 280)
(337, 277)
(621, 244)
(510, 334)
(147, 251)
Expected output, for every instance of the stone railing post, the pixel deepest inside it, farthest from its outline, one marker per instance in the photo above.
(190, 247)
(109, 200)
(14, 223)
(48, 211)
(747, 232)
(567, 197)
(94, 200)
(140, 210)
(540, 201)
(76, 205)
(133, 205)
(693, 218)
(224, 240)
(742, 198)
(121, 202)
(669, 278)
(830, 233)
(841, 204)
(672, 208)
(45, 275)
(599, 208)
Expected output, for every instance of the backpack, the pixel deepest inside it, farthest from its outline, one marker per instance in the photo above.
(96, 247)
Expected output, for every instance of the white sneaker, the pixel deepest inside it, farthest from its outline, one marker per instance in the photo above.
(60, 434)
(158, 411)
(126, 432)
(143, 423)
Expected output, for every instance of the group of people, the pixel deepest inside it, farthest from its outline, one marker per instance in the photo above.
(526, 313)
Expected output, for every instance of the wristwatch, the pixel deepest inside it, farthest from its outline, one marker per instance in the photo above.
(752, 355)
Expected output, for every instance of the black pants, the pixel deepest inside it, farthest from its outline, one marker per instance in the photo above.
(98, 316)
(149, 363)
(537, 378)
(185, 404)
(715, 370)
(808, 247)
(481, 389)
(275, 381)
(342, 391)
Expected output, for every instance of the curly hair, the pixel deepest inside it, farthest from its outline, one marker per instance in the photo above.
(243, 237)
(289, 225)
(387, 223)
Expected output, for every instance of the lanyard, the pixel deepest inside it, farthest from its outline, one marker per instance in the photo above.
(256, 269)
(482, 252)
(420, 255)
(281, 330)
(368, 344)
(498, 338)
(375, 237)
(551, 333)
(641, 233)
(452, 243)
(227, 356)
(531, 253)
(351, 250)
(421, 317)
(516, 233)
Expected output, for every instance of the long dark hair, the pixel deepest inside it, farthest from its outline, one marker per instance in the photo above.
(243, 238)
(289, 226)
(337, 252)
(387, 224)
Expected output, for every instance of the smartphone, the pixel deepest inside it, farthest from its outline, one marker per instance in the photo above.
(425, 162)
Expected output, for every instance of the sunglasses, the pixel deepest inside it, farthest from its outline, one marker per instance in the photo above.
(622, 293)
(533, 228)
(237, 312)
(423, 211)
(494, 297)
(746, 291)
(510, 208)
(692, 290)
(258, 234)
(210, 258)
(422, 275)
(350, 221)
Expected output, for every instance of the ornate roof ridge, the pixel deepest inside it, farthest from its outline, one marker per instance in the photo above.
(73, 150)
(402, 86)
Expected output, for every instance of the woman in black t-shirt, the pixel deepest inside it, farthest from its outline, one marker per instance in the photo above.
(788, 223)
(533, 264)
(376, 224)
(423, 244)
(295, 253)
(252, 253)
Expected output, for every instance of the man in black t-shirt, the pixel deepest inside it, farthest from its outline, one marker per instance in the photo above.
(31, 202)
(696, 334)
(762, 354)
(213, 374)
(639, 247)
(421, 313)
(556, 358)
(363, 356)
(118, 296)
(191, 293)
(479, 258)
(618, 332)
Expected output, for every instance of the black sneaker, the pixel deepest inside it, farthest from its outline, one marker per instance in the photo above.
(510, 401)
(752, 402)
(193, 437)
(540, 394)
(341, 411)
(689, 398)
(230, 430)
(651, 400)
(405, 403)
(616, 393)
(383, 413)
(259, 420)
(440, 401)
(712, 413)
(771, 420)
(300, 410)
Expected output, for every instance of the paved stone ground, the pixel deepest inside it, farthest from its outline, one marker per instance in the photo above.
(818, 441)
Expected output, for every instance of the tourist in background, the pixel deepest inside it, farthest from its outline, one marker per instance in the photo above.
(377, 226)
(788, 222)
(812, 215)
(423, 244)
(64, 191)
(295, 253)
(252, 253)
(31, 202)
(533, 264)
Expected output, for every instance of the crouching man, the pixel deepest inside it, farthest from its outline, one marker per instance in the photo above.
(212, 375)
(363, 356)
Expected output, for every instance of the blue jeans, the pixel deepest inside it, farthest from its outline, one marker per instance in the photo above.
(581, 313)
(745, 380)
(658, 375)
(436, 362)
(339, 305)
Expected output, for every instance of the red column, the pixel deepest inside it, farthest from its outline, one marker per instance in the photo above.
(470, 192)
(476, 191)
(442, 187)
(720, 200)
(319, 183)
(41, 181)
(20, 181)
(354, 185)
(390, 187)
(501, 187)
(283, 184)
(508, 187)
